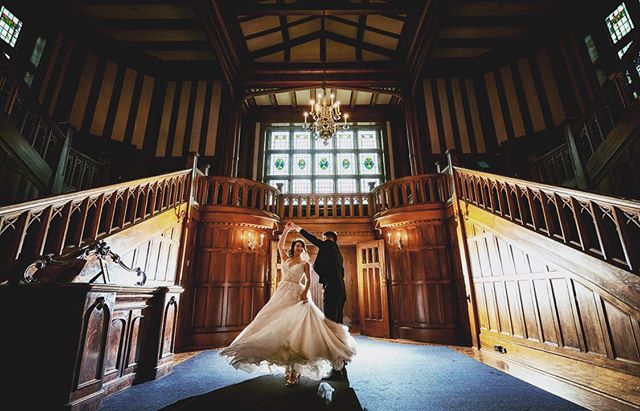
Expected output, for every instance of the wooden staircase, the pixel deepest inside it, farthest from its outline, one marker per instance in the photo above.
(38, 158)
(552, 277)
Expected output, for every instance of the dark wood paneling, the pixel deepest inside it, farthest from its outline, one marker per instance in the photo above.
(537, 304)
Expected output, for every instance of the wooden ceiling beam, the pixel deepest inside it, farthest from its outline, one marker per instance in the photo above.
(322, 7)
(489, 21)
(146, 24)
(223, 45)
(365, 46)
(266, 114)
(421, 42)
(170, 45)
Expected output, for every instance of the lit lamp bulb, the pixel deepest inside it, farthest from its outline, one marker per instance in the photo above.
(346, 116)
(305, 117)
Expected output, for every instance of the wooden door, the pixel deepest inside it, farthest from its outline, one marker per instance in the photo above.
(372, 289)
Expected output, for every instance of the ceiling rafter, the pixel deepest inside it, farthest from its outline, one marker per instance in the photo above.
(365, 46)
(321, 7)
(276, 29)
(369, 28)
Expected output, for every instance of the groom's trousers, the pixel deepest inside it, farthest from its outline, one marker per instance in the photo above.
(334, 299)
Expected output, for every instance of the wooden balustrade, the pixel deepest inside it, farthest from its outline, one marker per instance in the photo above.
(604, 227)
(408, 191)
(324, 205)
(82, 172)
(555, 167)
(46, 137)
(63, 223)
(236, 192)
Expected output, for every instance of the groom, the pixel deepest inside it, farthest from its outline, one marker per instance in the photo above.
(330, 268)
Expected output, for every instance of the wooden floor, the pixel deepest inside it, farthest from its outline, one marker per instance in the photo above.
(601, 390)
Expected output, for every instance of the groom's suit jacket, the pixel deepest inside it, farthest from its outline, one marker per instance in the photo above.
(329, 263)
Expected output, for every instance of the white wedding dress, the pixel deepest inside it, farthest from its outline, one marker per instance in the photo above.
(290, 332)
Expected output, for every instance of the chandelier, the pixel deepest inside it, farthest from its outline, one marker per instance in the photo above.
(325, 115)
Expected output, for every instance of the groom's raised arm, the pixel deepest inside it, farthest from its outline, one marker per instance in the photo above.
(312, 238)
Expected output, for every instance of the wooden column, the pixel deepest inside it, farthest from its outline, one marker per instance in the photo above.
(464, 252)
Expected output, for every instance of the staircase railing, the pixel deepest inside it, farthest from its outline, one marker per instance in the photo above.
(325, 205)
(64, 223)
(603, 227)
(43, 134)
(236, 192)
(585, 134)
(408, 191)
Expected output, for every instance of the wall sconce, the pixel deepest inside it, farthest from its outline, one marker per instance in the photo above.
(252, 242)
(395, 240)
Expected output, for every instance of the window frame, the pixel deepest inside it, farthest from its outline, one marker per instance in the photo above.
(315, 152)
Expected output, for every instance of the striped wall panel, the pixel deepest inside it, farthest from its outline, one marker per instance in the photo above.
(532, 94)
(105, 98)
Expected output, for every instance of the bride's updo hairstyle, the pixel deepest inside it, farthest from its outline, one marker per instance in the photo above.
(293, 246)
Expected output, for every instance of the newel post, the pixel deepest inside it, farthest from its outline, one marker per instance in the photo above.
(461, 236)
(578, 169)
(56, 181)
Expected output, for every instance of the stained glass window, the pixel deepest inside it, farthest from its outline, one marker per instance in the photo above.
(280, 141)
(623, 50)
(325, 186)
(304, 165)
(367, 139)
(367, 183)
(279, 164)
(324, 164)
(301, 141)
(301, 186)
(282, 185)
(38, 49)
(619, 23)
(591, 48)
(369, 163)
(344, 140)
(10, 26)
(346, 163)
(347, 185)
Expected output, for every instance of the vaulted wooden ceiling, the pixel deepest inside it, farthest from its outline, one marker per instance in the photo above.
(166, 30)
(471, 29)
(291, 45)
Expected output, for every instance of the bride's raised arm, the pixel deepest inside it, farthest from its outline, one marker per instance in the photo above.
(281, 248)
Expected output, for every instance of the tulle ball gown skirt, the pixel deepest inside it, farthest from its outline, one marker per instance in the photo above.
(289, 333)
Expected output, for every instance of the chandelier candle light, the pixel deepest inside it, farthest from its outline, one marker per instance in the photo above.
(326, 115)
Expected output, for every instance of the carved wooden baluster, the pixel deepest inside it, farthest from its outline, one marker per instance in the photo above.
(564, 224)
(122, 216)
(500, 200)
(532, 211)
(63, 229)
(147, 200)
(360, 204)
(215, 195)
(343, 206)
(136, 204)
(629, 249)
(334, 206)
(235, 193)
(404, 193)
(245, 197)
(546, 214)
(281, 205)
(94, 225)
(431, 185)
(17, 239)
(604, 243)
(78, 229)
(225, 193)
(40, 240)
(261, 198)
(583, 238)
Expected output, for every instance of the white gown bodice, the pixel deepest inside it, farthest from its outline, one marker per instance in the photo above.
(293, 272)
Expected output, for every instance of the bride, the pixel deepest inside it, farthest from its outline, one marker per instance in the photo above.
(290, 332)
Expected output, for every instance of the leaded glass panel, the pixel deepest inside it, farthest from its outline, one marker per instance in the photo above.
(369, 163)
(365, 184)
(347, 185)
(282, 185)
(324, 164)
(367, 140)
(302, 164)
(344, 140)
(619, 23)
(279, 164)
(301, 141)
(10, 26)
(301, 186)
(346, 164)
(280, 140)
(325, 186)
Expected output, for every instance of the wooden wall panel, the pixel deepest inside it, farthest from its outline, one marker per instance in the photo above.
(230, 283)
(526, 96)
(534, 303)
(422, 283)
(110, 99)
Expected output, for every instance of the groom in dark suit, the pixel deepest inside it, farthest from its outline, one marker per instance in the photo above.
(330, 268)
